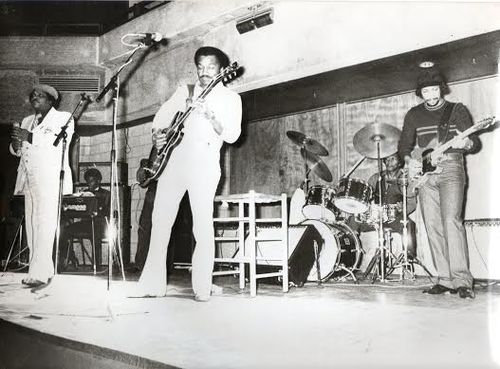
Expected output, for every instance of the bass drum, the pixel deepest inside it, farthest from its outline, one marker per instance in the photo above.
(341, 251)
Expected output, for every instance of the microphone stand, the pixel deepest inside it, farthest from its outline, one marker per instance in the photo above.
(63, 135)
(112, 232)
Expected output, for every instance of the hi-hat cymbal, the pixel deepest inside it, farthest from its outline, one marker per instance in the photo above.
(365, 140)
(308, 143)
(317, 166)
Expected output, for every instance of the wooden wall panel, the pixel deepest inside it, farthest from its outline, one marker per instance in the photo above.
(267, 163)
(266, 160)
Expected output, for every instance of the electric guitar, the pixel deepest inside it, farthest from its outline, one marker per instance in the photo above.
(158, 158)
(431, 155)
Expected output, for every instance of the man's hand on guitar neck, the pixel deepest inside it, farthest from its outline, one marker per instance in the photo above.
(200, 107)
(159, 138)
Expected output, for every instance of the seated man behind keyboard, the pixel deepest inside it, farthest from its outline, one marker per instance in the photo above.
(83, 226)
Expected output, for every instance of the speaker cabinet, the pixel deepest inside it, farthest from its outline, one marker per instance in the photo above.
(105, 168)
(301, 251)
(484, 252)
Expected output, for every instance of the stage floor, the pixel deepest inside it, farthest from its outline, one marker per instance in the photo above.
(339, 325)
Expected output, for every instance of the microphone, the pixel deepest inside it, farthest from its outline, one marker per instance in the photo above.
(148, 38)
(86, 97)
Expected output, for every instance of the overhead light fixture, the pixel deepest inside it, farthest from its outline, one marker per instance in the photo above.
(255, 20)
(426, 64)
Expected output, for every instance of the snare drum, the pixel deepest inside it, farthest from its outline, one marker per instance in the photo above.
(341, 251)
(353, 195)
(319, 203)
(372, 215)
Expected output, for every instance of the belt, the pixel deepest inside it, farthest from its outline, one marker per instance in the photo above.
(453, 156)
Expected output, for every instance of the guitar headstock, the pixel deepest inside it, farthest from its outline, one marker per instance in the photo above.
(228, 73)
(485, 123)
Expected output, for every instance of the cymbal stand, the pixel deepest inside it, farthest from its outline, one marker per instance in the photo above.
(392, 260)
(307, 170)
(404, 264)
(402, 261)
(378, 260)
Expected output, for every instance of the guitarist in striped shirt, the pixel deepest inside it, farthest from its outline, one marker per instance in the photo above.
(441, 197)
(194, 166)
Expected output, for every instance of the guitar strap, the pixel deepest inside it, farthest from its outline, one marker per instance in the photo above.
(189, 99)
(444, 124)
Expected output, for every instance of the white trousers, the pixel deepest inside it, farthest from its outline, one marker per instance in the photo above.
(194, 168)
(41, 192)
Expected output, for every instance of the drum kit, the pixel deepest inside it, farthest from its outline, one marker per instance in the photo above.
(329, 208)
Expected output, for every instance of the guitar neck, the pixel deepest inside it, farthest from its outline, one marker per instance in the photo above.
(202, 95)
(447, 145)
(474, 128)
(225, 74)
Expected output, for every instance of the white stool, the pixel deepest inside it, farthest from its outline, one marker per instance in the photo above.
(247, 220)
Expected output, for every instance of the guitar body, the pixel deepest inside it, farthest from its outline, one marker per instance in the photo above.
(427, 166)
(432, 153)
(427, 156)
(158, 159)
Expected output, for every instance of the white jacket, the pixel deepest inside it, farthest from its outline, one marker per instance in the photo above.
(41, 157)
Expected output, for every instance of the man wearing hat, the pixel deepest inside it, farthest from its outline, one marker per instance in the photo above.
(194, 166)
(38, 177)
(86, 226)
(441, 197)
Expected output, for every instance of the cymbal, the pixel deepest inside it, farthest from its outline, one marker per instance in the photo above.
(308, 143)
(317, 166)
(365, 140)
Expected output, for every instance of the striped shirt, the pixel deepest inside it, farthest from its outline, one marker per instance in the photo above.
(421, 125)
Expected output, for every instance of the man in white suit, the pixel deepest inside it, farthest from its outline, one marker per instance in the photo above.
(193, 167)
(38, 177)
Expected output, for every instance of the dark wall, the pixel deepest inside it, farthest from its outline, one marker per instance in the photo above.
(8, 171)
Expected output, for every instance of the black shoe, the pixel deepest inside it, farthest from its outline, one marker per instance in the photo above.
(31, 282)
(466, 292)
(439, 289)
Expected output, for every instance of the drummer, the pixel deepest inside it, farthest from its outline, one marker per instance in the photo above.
(392, 196)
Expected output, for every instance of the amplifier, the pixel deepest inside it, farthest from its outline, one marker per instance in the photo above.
(105, 168)
(484, 253)
(17, 206)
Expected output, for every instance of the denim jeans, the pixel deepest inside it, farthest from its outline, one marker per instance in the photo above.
(441, 201)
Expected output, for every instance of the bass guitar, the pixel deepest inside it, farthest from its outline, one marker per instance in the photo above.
(158, 158)
(431, 155)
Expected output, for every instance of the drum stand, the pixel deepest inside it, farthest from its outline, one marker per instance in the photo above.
(402, 260)
(378, 260)
(349, 273)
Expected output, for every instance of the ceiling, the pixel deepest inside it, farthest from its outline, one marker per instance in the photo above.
(68, 18)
